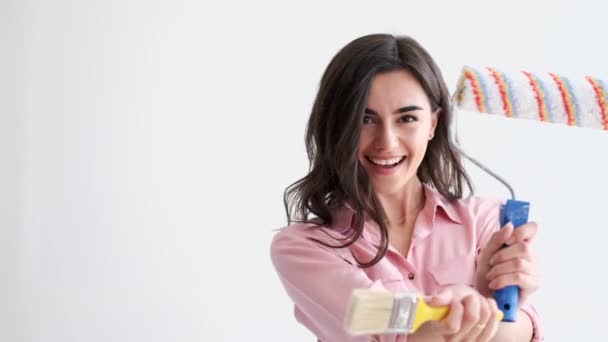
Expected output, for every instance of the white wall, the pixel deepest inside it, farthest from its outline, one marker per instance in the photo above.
(158, 137)
(12, 320)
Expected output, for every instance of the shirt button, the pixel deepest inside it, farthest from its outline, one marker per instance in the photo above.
(410, 276)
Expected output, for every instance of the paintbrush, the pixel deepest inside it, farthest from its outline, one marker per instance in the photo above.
(380, 312)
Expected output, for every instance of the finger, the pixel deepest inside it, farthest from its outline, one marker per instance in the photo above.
(519, 250)
(500, 237)
(484, 315)
(520, 265)
(525, 292)
(524, 281)
(492, 323)
(525, 232)
(470, 316)
(442, 298)
(497, 240)
(450, 325)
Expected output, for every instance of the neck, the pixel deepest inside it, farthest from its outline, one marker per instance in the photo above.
(403, 206)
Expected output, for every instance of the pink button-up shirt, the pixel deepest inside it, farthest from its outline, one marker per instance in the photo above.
(446, 241)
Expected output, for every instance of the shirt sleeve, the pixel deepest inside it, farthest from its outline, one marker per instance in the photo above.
(489, 212)
(319, 282)
(538, 334)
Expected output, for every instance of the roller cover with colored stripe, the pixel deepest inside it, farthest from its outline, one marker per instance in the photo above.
(547, 97)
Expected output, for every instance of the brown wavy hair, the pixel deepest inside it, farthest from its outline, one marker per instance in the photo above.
(332, 136)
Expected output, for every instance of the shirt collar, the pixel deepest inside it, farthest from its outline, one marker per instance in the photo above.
(435, 200)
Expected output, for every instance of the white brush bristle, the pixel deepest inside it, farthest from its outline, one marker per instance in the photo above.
(370, 312)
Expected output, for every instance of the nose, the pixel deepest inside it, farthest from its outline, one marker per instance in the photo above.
(386, 138)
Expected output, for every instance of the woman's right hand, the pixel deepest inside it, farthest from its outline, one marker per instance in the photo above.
(472, 317)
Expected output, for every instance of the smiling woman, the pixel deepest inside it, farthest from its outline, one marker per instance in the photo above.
(383, 204)
(395, 134)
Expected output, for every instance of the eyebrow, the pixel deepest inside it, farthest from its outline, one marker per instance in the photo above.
(398, 111)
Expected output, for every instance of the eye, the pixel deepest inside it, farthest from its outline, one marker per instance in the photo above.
(368, 119)
(408, 118)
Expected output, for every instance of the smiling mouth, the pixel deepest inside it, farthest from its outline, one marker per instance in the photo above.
(386, 163)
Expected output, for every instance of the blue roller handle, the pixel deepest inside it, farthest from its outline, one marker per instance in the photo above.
(507, 298)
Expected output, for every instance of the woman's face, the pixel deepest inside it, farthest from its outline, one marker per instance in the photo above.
(397, 126)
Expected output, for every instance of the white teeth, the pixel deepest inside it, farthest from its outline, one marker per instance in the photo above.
(385, 162)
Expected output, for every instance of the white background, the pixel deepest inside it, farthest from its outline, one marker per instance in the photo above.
(145, 147)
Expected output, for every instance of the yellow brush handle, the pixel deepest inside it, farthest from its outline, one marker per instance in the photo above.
(425, 313)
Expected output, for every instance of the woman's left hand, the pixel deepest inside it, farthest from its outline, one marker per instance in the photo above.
(513, 265)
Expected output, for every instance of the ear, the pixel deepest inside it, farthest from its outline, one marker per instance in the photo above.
(435, 120)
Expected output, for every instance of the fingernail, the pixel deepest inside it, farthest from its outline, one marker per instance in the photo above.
(492, 285)
(435, 298)
(511, 241)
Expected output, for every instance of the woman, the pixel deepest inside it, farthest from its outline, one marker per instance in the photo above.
(382, 206)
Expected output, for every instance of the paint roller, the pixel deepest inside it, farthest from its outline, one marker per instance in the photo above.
(546, 97)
